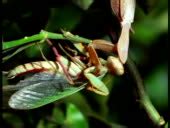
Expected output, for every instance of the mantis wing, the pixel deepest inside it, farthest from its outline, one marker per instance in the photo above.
(125, 11)
(42, 89)
(123, 43)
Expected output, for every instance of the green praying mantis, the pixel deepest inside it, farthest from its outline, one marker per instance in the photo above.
(65, 76)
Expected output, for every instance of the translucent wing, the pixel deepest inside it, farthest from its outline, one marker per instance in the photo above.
(123, 43)
(41, 89)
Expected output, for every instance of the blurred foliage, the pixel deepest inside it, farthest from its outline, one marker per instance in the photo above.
(91, 19)
(157, 86)
(73, 119)
(166, 126)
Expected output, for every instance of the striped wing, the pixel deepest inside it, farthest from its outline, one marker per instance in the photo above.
(41, 89)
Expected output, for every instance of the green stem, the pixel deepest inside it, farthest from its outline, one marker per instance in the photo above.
(143, 97)
(43, 35)
(16, 52)
(22, 41)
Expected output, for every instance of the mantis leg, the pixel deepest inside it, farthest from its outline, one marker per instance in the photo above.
(58, 58)
(113, 63)
(94, 59)
(104, 45)
(95, 83)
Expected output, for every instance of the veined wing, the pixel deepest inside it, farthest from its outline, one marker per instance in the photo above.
(41, 89)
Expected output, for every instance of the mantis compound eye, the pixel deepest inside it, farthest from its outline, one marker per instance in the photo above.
(115, 66)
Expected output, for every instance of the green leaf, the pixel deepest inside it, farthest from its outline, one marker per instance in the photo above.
(74, 118)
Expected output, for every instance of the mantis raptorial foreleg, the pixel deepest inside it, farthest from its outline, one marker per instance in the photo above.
(113, 63)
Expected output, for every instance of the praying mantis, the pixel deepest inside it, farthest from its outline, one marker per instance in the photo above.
(55, 78)
(72, 75)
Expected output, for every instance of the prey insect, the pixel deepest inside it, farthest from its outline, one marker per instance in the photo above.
(41, 89)
(50, 83)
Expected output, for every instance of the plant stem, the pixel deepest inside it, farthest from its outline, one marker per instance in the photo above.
(143, 97)
(43, 35)
(16, 52)
(22, 41)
